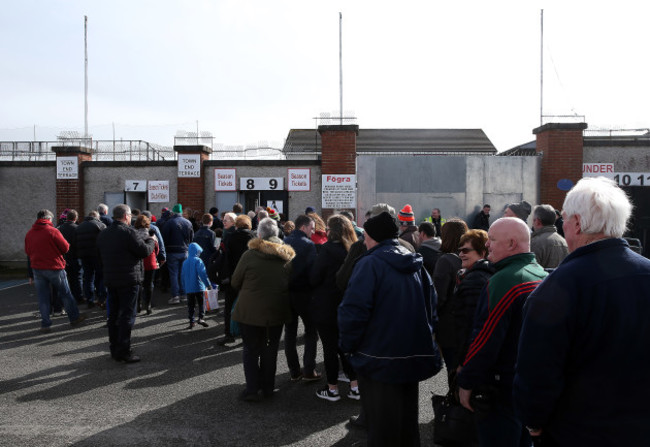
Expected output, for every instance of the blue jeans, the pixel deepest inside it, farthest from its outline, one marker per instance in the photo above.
(93, 279)
(58, 280)
(121, 318)
(174, 264)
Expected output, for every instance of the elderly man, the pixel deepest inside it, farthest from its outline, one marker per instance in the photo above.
(549, 247)
(583, 375)
(488, 368)
(391, 346)
(122, 249)
(46, 246)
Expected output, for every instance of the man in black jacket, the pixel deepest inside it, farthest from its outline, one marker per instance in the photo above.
(72, 268)
(86, 235)
(122, 249)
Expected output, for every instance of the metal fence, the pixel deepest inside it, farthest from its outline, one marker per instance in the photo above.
(101, 150)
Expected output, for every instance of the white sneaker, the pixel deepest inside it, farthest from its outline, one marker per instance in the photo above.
(354, 394)
(174, 300)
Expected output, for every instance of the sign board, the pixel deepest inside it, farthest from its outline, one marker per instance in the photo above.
(596, 169)
(261, 183)
(67, 168)
(299, 179)
(135, 185)
(339, 191)
(189, 165)
(158, 191)
(225, 180)
(277, 205)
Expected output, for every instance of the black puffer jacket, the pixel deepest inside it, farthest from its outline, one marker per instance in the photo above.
(86, 234)
(469, 283)
(326, 295)
(236, 245)
(122, 249)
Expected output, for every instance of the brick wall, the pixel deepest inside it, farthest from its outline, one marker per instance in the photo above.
(561, 146)
(70, 192)
(339, 153)
(191, 190)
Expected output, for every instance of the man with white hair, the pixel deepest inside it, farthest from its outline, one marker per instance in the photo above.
(487, 371)
(583, 374)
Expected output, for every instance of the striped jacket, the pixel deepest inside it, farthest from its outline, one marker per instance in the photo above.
(492, 354)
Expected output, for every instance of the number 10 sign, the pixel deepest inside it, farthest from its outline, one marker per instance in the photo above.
(261, 183)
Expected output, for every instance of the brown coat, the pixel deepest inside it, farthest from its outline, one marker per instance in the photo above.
(262, 278)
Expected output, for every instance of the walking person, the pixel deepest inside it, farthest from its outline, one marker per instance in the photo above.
(46, 247)
(178, 234)
(72, 267)
(150, 264)
(195, 282)
(122, 249)
(86, 236)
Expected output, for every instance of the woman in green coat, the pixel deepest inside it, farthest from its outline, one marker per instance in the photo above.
(262, 278)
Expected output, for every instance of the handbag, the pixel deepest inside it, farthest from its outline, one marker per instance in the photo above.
(453, 424)
(210, 299)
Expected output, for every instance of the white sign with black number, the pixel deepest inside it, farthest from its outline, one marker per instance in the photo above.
(339, 191)
(261, 183)
(135, 185)
(630, 178)
(189, 165)
(67, 168)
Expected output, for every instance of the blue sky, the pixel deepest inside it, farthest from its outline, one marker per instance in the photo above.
(249, 71)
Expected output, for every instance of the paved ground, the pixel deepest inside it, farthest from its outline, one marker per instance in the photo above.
(63, 389)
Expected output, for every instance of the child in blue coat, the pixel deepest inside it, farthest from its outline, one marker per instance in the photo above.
(194, 279)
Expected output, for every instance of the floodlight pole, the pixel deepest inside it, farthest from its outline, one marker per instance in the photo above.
(341, 66)
(541, 71)
(85, 77)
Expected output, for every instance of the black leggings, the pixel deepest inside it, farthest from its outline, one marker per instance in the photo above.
(329, 337)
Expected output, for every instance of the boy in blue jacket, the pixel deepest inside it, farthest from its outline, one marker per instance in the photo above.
(195, 281)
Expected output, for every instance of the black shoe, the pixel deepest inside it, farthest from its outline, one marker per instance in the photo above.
(202, 322)
(357, 421)
(130, 359)
(250, 397)
(314, 376)
(192, 324)
(226, 340)
(79, 320)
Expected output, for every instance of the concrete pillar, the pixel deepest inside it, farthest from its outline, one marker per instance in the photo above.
(561, 147)
(70, 190)
(339, 156)
(191, 190)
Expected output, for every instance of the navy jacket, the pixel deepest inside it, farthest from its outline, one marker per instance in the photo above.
(388, 315)
(206, 238)
(583, 373)
(301, 265)
(326, 295)
(177, 234)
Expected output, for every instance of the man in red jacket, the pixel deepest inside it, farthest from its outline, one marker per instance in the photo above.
(45, 246)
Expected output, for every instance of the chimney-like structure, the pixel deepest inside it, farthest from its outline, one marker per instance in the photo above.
(561, 147)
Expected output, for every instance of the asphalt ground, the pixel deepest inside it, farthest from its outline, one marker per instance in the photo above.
(63, 388)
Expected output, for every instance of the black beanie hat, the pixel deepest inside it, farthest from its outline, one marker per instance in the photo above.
(381, 227)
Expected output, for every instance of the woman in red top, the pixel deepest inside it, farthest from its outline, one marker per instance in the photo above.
(319, 236)
(143, 224)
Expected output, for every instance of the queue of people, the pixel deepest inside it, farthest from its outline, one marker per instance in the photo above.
(391, 303)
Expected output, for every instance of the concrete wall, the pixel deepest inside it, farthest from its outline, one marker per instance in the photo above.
(102, 177)
(458, 185)
(298, 200)
(625, 159)
(25, 188)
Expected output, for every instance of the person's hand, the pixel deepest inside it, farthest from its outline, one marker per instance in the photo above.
(464, 396)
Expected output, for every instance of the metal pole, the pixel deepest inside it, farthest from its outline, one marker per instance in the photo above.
(341, 65)
(85, 76)
(541, 72)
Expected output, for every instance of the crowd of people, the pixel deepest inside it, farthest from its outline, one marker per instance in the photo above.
(538, 328)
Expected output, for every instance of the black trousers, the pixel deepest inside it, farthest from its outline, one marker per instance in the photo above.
(391, 412)
(260, 357)
(121, 317)
(329, 337)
